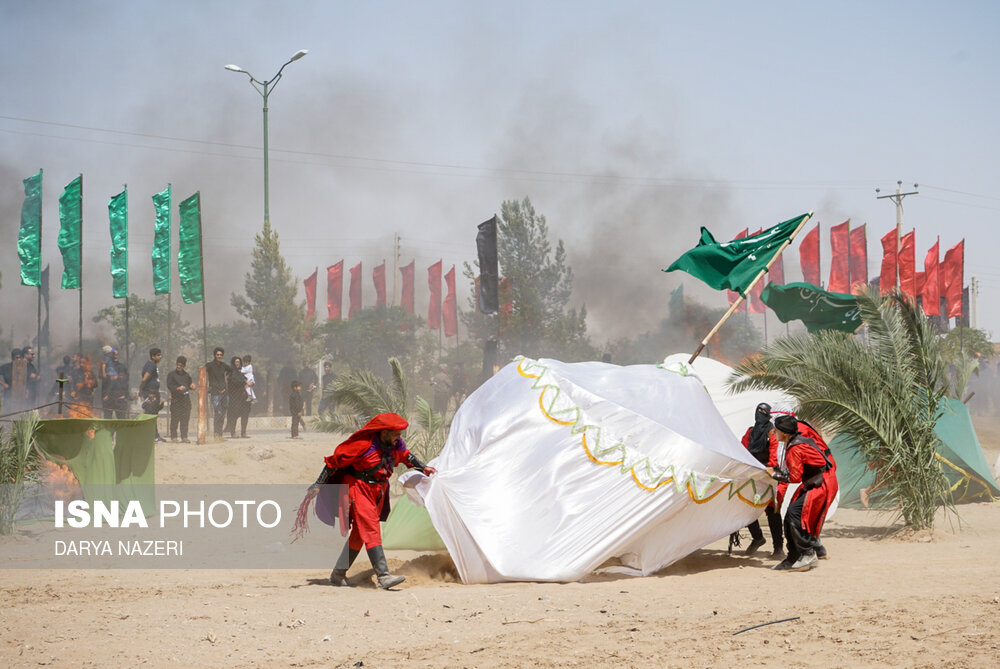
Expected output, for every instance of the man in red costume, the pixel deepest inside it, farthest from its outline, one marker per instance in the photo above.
(809, 462)
(364, 462)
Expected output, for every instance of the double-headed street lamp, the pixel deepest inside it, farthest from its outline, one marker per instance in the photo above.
(265, 88)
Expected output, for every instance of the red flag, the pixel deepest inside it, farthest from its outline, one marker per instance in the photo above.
(406, 297)
(756, 304)
(449, 309)
(809, 257)
(858, 242)
(887, 275)
(733, 295)
(310, 286)
(920, 279)
(434, 284)
(907, 264)
(931, 290)
(354, 292)
(954, 271)
(334, 290)
(378, 276)
(777, 272)
(840, 279)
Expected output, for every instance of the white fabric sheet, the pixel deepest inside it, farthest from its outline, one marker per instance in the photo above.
(551, 469)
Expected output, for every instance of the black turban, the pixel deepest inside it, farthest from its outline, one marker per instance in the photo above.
(787, 424)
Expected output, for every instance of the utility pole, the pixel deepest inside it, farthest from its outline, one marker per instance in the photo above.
(973, 294)
(897, 197)
(395, 271)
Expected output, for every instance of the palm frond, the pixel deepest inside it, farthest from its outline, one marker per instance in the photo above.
(884, 392)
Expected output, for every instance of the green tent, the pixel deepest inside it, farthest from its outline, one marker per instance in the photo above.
(111, 459)
(960, 455)
(409, 527)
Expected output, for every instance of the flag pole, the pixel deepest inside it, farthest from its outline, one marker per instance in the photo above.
(739, 300)
(80, 331)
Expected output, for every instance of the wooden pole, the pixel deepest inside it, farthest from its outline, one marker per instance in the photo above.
(735, 305)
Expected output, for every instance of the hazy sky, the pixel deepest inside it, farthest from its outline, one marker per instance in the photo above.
(628, 124)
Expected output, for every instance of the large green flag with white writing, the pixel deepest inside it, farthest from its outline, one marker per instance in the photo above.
(71, 233)
(733, 265)
(29, 238)
(818, 309)
(161, 242)
(189, 250)
(118, 214)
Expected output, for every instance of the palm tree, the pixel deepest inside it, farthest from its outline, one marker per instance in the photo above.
(361, 395)
(883, 391)
(17, 458)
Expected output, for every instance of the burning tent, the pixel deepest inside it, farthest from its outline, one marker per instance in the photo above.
(107, 459)
(552, 469)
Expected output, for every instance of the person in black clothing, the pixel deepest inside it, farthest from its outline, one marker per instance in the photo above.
(114, 390)
(282, 385)
(149, 387)
(324, 401)
(760, 440)
(180, 385)
(295, 407)
(308, 379)
(239, 403)
(7, 374)
(217, 371)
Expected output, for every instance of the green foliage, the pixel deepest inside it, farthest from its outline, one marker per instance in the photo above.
(269, 303)
(147, 321)
(16, 460)
(372, 335)
(962, 342)
(535, 319)
(237, 338)
(361, 395)
(884, 393)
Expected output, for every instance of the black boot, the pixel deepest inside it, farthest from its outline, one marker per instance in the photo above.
(774, 523)
(385, 581)
(339, 574)
(756, 536)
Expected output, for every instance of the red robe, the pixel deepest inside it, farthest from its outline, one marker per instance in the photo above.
(365, 504)
(803, 456)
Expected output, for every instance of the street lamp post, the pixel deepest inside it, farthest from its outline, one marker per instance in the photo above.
(265, 88)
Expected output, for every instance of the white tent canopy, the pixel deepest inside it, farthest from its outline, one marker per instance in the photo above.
(737, 409)
(552, 468)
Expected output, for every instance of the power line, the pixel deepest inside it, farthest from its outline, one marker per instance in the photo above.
(386, 164)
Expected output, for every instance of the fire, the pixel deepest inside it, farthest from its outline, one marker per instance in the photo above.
(59, 480)
(81, 390)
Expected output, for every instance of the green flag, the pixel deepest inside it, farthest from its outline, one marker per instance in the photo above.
(29, 239)
(71, 233)
(733, 265)
(818, 309)
(189, 250)
(118, 213)
(161, 242)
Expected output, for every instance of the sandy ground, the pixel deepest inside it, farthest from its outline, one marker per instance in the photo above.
(925, 600)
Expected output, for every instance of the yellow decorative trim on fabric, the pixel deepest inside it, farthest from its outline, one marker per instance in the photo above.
(967, 478)
(558, 409)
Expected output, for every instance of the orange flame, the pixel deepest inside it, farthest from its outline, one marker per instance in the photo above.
(60, 480)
